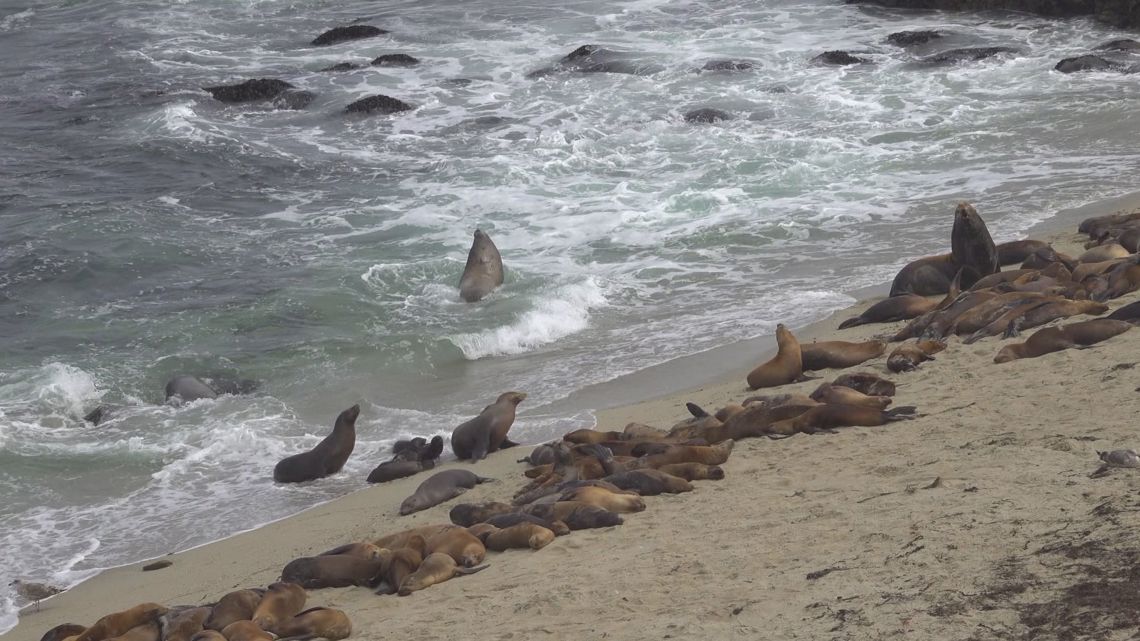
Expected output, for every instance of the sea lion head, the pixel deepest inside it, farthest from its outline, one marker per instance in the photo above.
(966, 212)
(1006, 354)
(715, 472)
(413, 503)
(348, 417)
(513, 397)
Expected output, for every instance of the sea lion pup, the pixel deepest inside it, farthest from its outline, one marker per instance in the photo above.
(692, 471)
(866, 382)
(484, 269)
(785, 367)
(829, 417)
(405, 561)
(468, 514)
(323, 623)
(459, 544)
(1110, 251)
(440, 487)
(1055, 339)
(838, 394)
(839, 354)
(328, 457)
(1016, 251)
(605, 499)
(436, 568)
(540, 455)
(895, 308)
(238, 605)
(119, 623)
(576, 516)
(504, 521)
(183, 624)
(909, 356)
(487, 432)
(334, 571)
(516, 537)
(400, 468)
(246, 631)
(63, 631)
(281, 602)
(650, 482)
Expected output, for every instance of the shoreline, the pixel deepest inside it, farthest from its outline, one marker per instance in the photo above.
(709, 378)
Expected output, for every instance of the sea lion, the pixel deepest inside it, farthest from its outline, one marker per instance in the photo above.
(867, 383)
(468, 514)
(487, 432)
(333, 571)
(1121, 280)
(209, 635)
(418, 449)
(328, 457)
(1096, 225)
(405, 561)
(650, 482)
(927, 276)
(600, 497)
(479, 530)
(436, 568)
(1030, 316)
(281, 602)
(1016, 251)
(119, 623)
(1046, 256)
(895, 308)
(540, 455)
(1110, 251)
(1055, 339)
(459, 544)
(397, 469)
(523, 535)
(1130, 313)
(828, 393)
(405, 538)
(63, 631)
(829, 417)
(693, 471)
(971, 246)
(184, 624)
(484, 269)
(323, 623)
(576, 516)
(587, 436)
(907, 357)
(839, 354)
(707, 454)
(246, 631)
(785, 367)
(504, 521)
(188, 389)
(238, 605)
(642, 431)
(145, 632)
(440, 487)
(358, 549)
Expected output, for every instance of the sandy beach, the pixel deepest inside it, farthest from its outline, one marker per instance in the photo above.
(976, 520)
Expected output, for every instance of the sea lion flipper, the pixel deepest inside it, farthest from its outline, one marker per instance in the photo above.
(804, 377)
(507, 443)
(852, 322)
(481, 479)
(465, 571)
(696, 410)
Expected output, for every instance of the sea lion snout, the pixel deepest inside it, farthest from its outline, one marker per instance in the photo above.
(353, 412)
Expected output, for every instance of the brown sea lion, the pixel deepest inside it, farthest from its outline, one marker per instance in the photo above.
(208, 635)
(828, 393)
(1096, 225)
(650, 482)
(487, 432)
(1002, 277)
(927, 276)
(909, 356)
(941, 323)
(895, 308)
(281, 601)
(785, 367)
(459, 544)
(405, 561)
(145, 632)
(322, 623)
(504, 521)
(588, 436)
(866, 382)
(246, 631)
(1046, 256)
(1110, 251)
(480, 529)
(728, 411)
(642, 432)
(1055, 339)
(1121, 280)
(468, 514)
(436, 568)
(693, 471)
(576, 516)
(839, 354)
(829, 417)
(119, 623)
(184, 624)
(63, 631)
(521, 536)
(328, 457)
(360, 549)
(238, 605)
(334, 571)
(440, 487)
(707, 454)
(605, 499)
(753, 422)
(1035, 315)
(483, 271)
(404, 538)
(1016, 251)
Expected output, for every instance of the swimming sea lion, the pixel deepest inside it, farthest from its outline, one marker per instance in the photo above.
(907, 357)
(785, 367)
(436, 568)
(468, 514)
(63, 631)
(650, 482)
(600, 497)
(487, 432)
(188, 389)
(839, 354)
(183, 625)
(328, 457)
(484, 269)
(281, 602)
(523, 535)
(323, 623)
(895, 308)
(828, 393)
(333, 571)
(440, 487)
(1016, 251)
(238, 605)
(246, 631)
(693, 471)
(1055, 339)
(459, 544)
(119, 623)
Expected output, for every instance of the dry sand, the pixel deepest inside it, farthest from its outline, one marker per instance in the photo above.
(977, 520)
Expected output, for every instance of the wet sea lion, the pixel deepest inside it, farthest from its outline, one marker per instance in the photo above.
(1055, 339)
(246, 631)
(440, 487)
(436, 568)
(927, 276)
(334, 571)
(521, 536)
(282, 601)
(971, 246)
(328, 457)
(1016, 251)
(323, 623)
(650, 482)
(468, 514)
(484, 269)
(828, 393)
(693, 471)
(188, 389)
(238, 605)
(909, 356)
(183, 625)
(839, 354)
(63, 631)
(617, 503)
(397, 469)
(576, 516)
(119, 623)
(418, 449)
(785, 367)
(895, 308)
(487, 432)
(459, 544)
(829, 417)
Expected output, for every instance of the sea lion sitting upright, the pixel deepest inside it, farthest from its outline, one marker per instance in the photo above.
(971, 246)
(487, 432)
(326, 458)
(785, 367)
(440, 487)
(484, 269)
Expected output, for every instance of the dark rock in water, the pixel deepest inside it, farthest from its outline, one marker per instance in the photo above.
(457, 82)
(969, 54)
(839, 58)
(1085, 63)
(707, 114)
(98, 415)
(343, 66)
(1119, 13)
(379, 103)
(249, 91)
(728, 65)
(294, 100)
(1124, 44)
(910, 38)
(344, 34)
(236, 386)
(395, 60)
(595, 59)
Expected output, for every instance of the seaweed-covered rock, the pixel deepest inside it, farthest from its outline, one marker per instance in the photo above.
(837, 58)
(343, 66)
(728, 65)
(344, 34)
(395, 60)
(249, 91)
(378, 104)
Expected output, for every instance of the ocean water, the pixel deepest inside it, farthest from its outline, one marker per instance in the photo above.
(147, 230)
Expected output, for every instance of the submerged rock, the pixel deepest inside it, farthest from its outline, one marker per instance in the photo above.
(728, 65)
(343, 66)
(395, 60)
(1086, 63)
(344, 34)
(968, 54)
(99, 415)
(837, 58)
(707, 114)
(1123, 44)
(294, 99)
(1120, 13)
(249, 91)
(911, 38)
(378, 104)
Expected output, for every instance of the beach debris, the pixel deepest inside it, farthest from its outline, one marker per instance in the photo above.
(157, 565)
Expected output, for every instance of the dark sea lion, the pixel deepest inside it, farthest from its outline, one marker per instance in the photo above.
(248, 91)
(436, 568)
(328, 457)
(440, 487)
(838, 58)
(909, 356)
(487, 432)
(1046, 256)
(576, 516)
(63, 631)
(483, 271)
(344, 34)
(405, 561)
(596, 59)
(966, 54)
(378, 104)
(119, 623)
(1110, 251)
(650, 482)
(706, 115)
(981, 315)
(926, 276)
(1016, 251)
(397, 469)
(504, 521)
(322, 623)
(184, 624)
(333, 571)
(693, 471)
(246, 631)
(943, 321)
(521, 536)
(238, 605)
(418, 449)
(540, 455)
(468, 514)
(839, 394)
(1055, 339)
(1130, 313)
(895, 308)
(829, 417)
(188, 389)
(281, 602)
(911, 38)
(785, 367)
(1006, 276)
(99, 415)
(971, 246)
(1122, 279)
(1096, 225)
(605, 499)
(866, 382)
(839, 354)
(467, 550)
(1032, 316)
